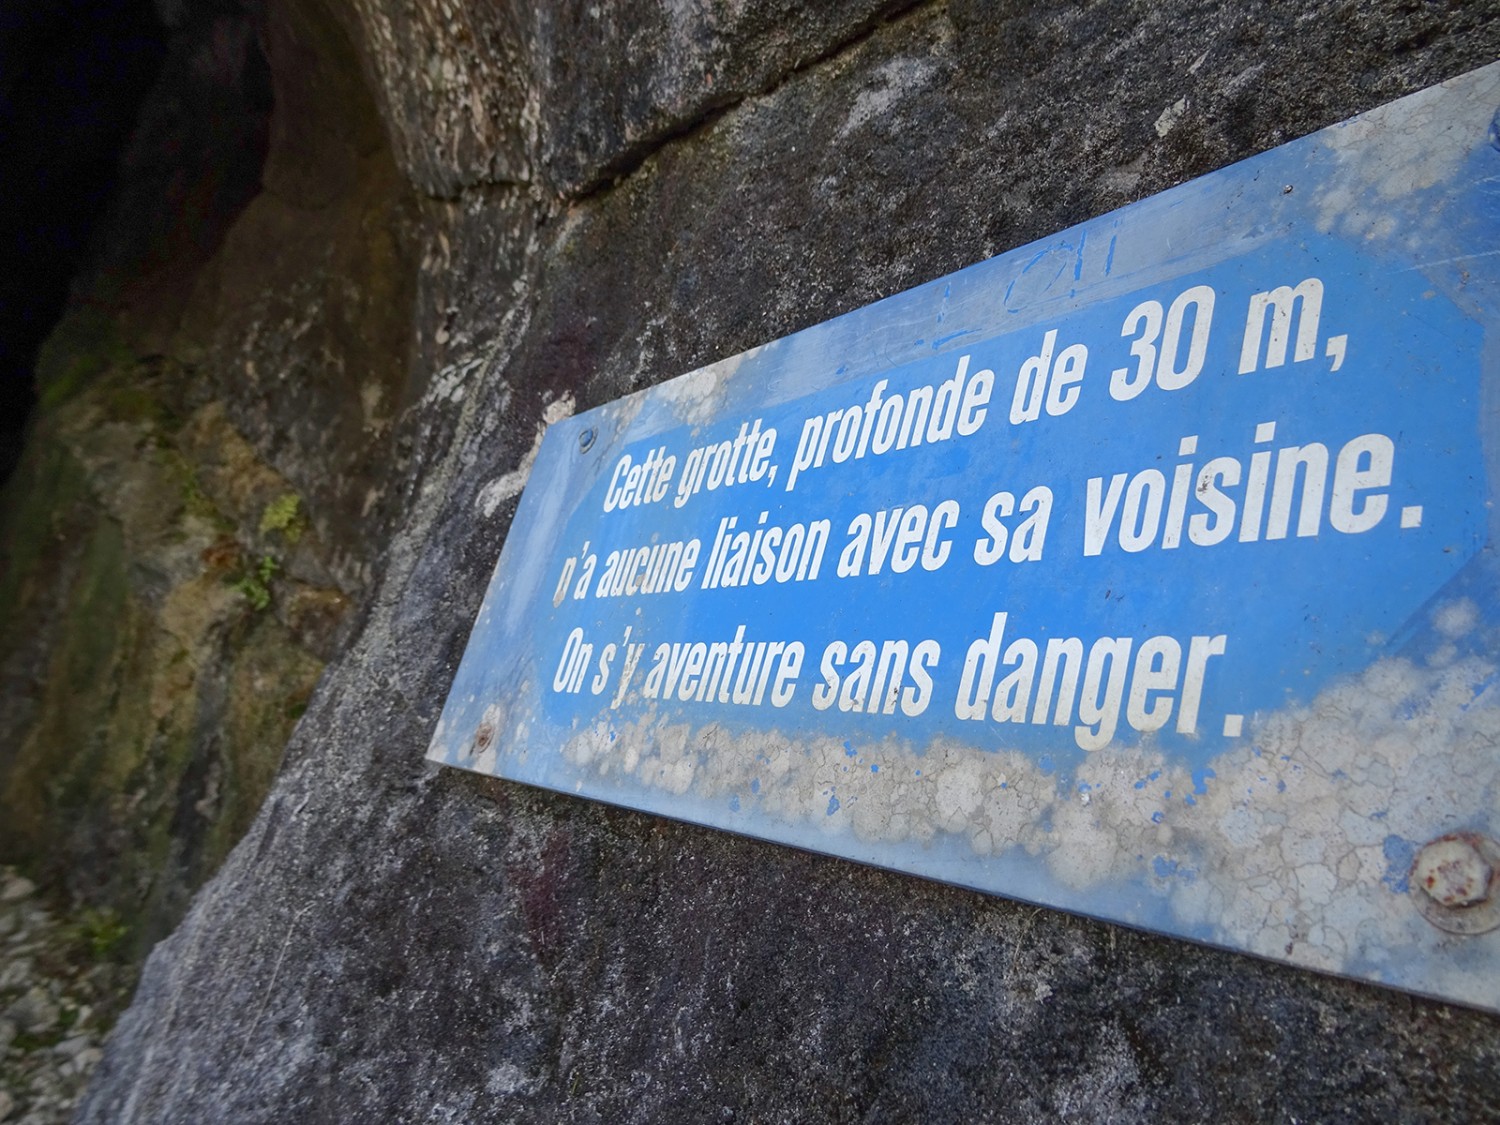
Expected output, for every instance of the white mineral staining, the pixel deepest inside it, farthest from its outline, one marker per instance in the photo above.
(1292, 828)
(508, 1079)
(696, 398)
(1169, 117)
(451, 383)
(1279, 845)
(1456, 618)
(891, 83)
(1395, 150)
(509, 486)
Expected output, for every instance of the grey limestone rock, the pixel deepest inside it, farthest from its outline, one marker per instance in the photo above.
(597, 198)
(35, 1012)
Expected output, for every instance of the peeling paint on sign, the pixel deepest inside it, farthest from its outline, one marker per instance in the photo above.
(1145, 571)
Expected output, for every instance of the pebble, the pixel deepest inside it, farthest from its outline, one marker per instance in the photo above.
(15, 888)
(70, 1048)
(35, 1012)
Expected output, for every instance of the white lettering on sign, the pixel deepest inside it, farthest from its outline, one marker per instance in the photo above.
(888, 422)
(1260, 485)
(1032, 683)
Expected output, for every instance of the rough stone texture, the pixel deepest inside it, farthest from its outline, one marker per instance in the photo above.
(183, 536)
(60, 988)
(395, 942)
(147, 696)
(670, 67)
(303, 317)
(492, 91)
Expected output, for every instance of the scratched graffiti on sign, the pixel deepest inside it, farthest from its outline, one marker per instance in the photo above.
(1143, 572)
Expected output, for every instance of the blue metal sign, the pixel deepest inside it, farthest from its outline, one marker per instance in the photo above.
(1145, 571)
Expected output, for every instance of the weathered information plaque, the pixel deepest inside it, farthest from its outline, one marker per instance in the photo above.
(1145, 571)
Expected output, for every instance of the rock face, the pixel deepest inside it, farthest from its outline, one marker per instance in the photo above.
(176, 564)
(474, 215)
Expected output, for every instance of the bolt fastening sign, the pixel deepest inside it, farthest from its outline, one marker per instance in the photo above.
(1145, 571)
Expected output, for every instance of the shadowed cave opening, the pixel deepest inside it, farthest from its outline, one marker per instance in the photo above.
(73, 76)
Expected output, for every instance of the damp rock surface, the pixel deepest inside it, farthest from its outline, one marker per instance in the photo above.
(473, 219)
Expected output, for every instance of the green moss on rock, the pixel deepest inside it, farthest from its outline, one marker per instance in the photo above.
(148, 696)
(86, 343)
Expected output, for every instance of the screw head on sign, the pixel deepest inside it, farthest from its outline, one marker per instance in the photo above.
(1453, 883)
(586, 440)
(484, 736)
(1452, 872)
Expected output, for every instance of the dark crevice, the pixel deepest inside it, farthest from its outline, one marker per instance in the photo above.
(633, 156)
(73, 75)
(484, 189)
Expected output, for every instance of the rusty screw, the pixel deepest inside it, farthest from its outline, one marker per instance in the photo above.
(1452, 872)
(484, 735)
(1453, 883)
